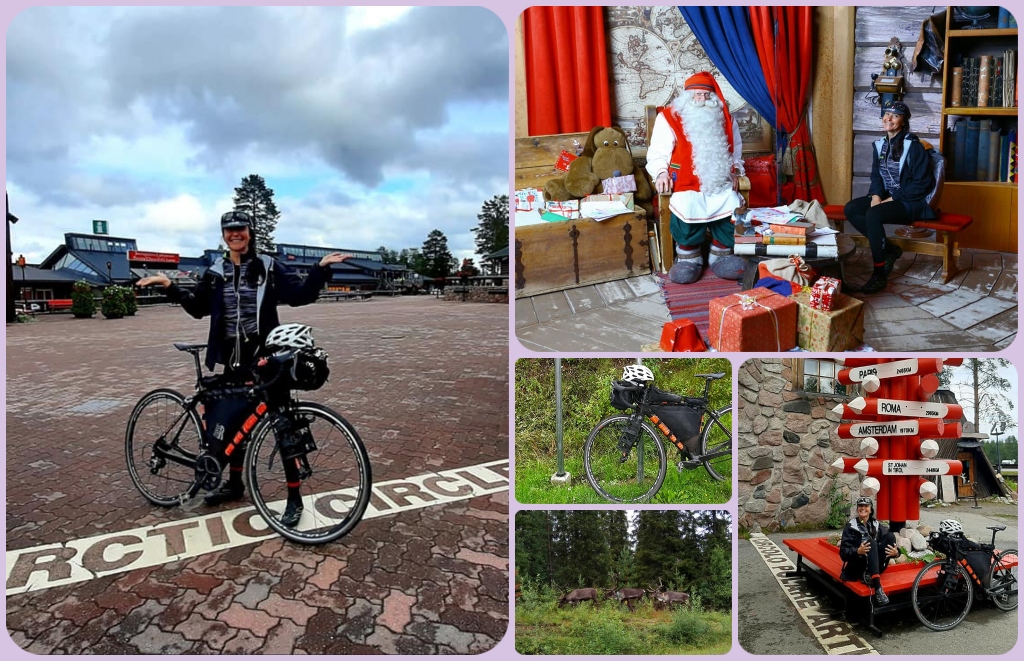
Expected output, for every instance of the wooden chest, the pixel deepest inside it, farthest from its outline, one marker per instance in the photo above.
(555, 256)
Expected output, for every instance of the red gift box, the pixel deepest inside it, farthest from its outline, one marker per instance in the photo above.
(823, 293)
(756, 320)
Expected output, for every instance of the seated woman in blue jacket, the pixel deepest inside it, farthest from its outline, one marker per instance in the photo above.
(240, 294)
(902, 177)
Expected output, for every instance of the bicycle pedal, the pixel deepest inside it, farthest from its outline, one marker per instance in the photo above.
(688, 465)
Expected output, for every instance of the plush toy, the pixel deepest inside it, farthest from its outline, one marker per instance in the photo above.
(605, 155)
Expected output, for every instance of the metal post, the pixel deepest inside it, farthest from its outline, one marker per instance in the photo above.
(999, 462)
(560, 476)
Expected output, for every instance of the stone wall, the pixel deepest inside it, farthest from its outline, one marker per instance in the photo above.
(787, 440)
(476, 294)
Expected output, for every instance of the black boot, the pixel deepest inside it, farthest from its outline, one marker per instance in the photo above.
(228, 492)
(880, 596)
(876, 283)
(292, 513)
(892, 253)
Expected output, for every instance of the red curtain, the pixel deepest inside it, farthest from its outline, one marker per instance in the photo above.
(786, 59)
(567, 87)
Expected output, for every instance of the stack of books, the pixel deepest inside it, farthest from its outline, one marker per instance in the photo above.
(783, 239)
(983, 150)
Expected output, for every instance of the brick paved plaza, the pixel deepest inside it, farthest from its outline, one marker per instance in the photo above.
(424, 381)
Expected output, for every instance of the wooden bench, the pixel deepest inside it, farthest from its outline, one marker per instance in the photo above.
(564, 255)
(897, 580)
(945, 245)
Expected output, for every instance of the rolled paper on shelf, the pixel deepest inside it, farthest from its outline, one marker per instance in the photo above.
(870, 486)
(869, 446)
(929, 448)
(928, 490)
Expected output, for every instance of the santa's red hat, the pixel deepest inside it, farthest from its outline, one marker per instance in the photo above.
(702, 80)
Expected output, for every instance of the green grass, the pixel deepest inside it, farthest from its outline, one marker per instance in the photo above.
(543, 628)
(586, 387)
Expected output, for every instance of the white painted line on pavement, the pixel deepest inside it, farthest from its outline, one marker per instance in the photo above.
(85, 559)
(834, 636)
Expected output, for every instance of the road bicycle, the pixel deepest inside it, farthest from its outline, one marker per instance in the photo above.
(624, 456)
(944, 588)
(170, 459)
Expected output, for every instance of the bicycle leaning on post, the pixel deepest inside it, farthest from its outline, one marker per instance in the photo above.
(944, 588)
(624, 456)
(172, 456)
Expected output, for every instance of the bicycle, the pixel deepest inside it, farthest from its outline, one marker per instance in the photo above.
(607, 451)
(170, 460)
(944, 588)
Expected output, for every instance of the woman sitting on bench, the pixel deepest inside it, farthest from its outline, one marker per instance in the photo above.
(901, 179)
(866, 548)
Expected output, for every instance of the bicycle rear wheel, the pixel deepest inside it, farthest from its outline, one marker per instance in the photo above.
(717, 437)
(336, 490)
(161, 443)
(632, 478)
(943, 604)
(1003, 583)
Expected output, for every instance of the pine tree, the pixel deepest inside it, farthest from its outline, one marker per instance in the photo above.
(438, 260)
(659, 547)
(254, 198)
(532, 546)
(492, 232)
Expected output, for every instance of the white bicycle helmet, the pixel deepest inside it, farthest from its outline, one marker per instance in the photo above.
(637, 374)
(290, 336)
(950, 527)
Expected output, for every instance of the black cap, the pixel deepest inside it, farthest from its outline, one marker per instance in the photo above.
(863, 500)
(235, 219)
(898, 108)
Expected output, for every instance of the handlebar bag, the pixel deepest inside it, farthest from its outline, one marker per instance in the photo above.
(682, 423)
(623, 396)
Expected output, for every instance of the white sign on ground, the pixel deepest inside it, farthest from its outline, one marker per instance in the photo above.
(835, 636)
(85, 559)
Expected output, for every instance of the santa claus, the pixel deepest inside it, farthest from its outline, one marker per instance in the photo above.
(695, 152)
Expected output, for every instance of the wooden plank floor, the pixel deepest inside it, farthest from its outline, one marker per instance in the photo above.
(975, 311)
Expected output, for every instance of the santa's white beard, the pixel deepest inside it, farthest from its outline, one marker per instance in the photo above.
(703, 126)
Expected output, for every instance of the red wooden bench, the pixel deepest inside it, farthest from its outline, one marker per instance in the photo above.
(59, 304)
(946, 228)
(896, 579)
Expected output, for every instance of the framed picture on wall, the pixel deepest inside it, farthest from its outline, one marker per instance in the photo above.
(755, 131)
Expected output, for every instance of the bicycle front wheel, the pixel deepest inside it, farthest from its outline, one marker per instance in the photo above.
(630, 477)
(943, 603)
(161, 443)
(335, 476)
(717, 438)
(1003, 582)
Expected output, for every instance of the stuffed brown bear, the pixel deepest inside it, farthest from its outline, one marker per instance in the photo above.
(605, 155)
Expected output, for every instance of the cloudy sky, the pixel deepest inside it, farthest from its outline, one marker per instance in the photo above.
(372, 125)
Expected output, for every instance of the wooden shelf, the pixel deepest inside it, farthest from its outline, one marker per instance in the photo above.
(984, 32)
(984, 111)
(972, 184)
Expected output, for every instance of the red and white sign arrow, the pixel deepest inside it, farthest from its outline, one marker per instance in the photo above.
(865, 406)
(876, 467)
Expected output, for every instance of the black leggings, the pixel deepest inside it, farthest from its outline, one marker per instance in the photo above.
(871, 220)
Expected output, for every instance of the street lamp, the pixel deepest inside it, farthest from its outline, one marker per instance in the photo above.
(997, 432)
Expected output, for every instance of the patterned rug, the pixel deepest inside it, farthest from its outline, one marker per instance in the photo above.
(691, 301)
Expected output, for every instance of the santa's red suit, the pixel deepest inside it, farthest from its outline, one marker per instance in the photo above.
(698, 160)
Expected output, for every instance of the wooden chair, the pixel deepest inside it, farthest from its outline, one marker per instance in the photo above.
(664, 216)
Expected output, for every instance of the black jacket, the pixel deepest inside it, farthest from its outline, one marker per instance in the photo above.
(917, 178)
(282, 285)
(854, 564)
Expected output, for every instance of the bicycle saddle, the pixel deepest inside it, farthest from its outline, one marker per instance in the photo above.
(191, 348)
(713, 377)
(997, 528)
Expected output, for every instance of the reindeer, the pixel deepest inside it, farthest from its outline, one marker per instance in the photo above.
(667, 598)
(577, 596)
(627, 595)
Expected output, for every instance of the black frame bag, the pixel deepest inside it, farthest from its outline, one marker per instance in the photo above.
(226, 406)
(683, 422)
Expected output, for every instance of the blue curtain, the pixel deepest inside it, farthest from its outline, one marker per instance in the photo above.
(726, 35)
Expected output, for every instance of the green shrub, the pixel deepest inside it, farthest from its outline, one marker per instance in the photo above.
(113, 306)
(83, 305)
(687, 628)
(131, 306)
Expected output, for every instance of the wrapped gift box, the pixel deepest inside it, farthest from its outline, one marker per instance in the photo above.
(755, 320)
(838, 329)
(623, 184)
(824, 293)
